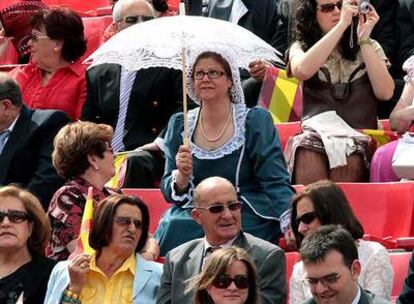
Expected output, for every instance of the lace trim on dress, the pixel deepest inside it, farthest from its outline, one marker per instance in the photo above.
(181, 197)
(238, 139)
(408, 66)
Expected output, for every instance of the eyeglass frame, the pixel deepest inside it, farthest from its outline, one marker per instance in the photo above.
(228, 280)
(126, 221)
(327, 280)
(327, 8)
(238, 205)
(139, 19)
(209, 74)
(34, 37)
(24, 216)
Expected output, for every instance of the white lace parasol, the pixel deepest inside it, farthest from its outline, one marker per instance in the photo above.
(159, 42)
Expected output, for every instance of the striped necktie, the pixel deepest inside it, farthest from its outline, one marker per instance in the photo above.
(126, 83)
(4, 135)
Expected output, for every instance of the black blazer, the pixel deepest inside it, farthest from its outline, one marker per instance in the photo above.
(366, 298)
(155, 96)
(261, 18)
(407, 292)
(26, 158)
(405, 32)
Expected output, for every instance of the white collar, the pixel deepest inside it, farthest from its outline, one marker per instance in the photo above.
(358, 296)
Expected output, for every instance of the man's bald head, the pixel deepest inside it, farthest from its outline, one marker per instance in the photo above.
(130, 8)
(209, 185)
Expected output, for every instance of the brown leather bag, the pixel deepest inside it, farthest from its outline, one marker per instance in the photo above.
(353, 101)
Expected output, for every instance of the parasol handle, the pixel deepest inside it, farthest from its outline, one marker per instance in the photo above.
(181, 8)
(184, 77)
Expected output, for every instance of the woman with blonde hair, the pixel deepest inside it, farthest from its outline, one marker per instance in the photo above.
(228, 276)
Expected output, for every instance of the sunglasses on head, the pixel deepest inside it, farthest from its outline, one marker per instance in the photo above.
(219, 208)
(126, 221)
(224, 281)
(14, 216)
(35, 36)
(137, 19)
(329, 7)
(306, 218)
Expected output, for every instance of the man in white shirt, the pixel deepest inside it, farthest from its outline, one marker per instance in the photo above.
(330, 261)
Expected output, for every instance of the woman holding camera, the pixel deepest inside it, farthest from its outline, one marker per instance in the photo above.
(344, 71)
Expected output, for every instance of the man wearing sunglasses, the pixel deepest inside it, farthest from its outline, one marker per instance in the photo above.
(26, 143)
(218, 211)
(137, 105)
(330, 261)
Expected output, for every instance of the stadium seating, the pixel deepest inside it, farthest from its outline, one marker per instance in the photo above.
(385, 210)
(94, 32)
(155, 202)
(291, 259)
(399, 262)
(286, 130)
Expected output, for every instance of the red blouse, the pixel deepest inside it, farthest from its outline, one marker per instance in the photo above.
(65, 90)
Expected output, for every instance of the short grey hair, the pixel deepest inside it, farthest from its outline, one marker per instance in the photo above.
(117, 10)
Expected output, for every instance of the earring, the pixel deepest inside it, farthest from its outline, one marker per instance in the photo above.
(96, 168)
(55, 49)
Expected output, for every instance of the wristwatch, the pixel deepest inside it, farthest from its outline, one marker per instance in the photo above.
(363, 41)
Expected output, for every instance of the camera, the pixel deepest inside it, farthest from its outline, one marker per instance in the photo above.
(364, 6)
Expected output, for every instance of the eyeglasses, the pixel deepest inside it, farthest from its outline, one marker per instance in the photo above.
(224, 281)
(329, 7)
(306, 218)
(326, 280)
(212, 74)
(136, 19)
(35, 36)
(219, 208)
(14, 216)
(126, 221)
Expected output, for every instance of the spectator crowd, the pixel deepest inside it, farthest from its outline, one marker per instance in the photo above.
(64, 125)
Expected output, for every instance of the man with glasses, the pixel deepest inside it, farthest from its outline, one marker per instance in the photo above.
(217, 210)
(26, 143)
(330, 261)
(137, 105)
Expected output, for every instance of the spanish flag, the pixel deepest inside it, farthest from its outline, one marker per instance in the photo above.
(82, 245)
(380, 137)
(281, 95)
(120, 163)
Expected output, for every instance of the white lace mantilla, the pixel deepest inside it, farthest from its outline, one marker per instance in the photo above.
(238, 139)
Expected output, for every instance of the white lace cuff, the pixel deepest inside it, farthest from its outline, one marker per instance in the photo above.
(285, 221)
(187, 196)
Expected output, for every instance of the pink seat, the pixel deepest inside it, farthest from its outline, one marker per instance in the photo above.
(384, 209)
(286, 130)
(155, 201)
(399, 262)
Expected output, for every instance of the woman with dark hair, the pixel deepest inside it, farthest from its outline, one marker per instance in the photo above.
(55, 79)
(344, 74)
(228, 276)
(162, 9)
(324, 203)
(115, 273)
(24, 231)
(226, 139)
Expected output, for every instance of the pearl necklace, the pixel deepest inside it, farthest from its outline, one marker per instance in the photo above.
(222, 131)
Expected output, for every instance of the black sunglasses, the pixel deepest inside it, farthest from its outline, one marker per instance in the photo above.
(126, 221)
(14, 216)
(219, 208)
(306, 218)
(136, 19)
(329, 7)
(224, 281)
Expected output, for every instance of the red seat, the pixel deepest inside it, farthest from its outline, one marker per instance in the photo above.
(155, 201)
(286, 130)
(94, 32)
(10, 55)
(384, 209)
(399, 262)
(291, 259)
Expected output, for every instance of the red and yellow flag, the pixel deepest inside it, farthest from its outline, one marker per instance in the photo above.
(381, 137)
(82, 244)
(281, 95)
(120, 163)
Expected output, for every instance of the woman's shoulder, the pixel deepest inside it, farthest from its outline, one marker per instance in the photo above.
(143, 264)
(257, 116)
(367, 249)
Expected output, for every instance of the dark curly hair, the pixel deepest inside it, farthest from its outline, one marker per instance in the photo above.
(160, 5)
(74, 142)
(308, 32)
(63, 24)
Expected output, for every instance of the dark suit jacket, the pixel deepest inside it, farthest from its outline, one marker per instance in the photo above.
(366, 298)
(405, 32)
(185, 261)
(26, 158)
(155, 96)
(407, 292)
(261, 18)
